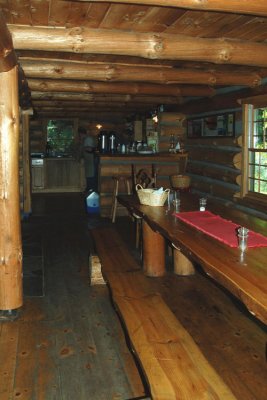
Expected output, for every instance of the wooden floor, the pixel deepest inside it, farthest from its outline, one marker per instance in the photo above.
(68, 344)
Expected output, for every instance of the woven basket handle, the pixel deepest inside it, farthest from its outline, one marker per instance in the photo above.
(138, 187)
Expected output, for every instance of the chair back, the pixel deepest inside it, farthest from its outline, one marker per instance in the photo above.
(144, 177)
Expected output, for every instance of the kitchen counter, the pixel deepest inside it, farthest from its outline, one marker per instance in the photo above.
(59, 158)
(168, 157)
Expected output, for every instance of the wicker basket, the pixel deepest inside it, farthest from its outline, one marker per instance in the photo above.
(180, 181)
(148, 197)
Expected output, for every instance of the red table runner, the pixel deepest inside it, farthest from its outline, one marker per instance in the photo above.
(221, 229)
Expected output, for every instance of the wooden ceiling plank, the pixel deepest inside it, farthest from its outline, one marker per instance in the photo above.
(258, 7)
(226, 24)
(147, 45)
(123, 16)
(95, 14)
(207, 25)
(39, 12)
(158, 19)
(193, 23)
(19, 11)
(59, 12)
(250, 29)
(78, 14)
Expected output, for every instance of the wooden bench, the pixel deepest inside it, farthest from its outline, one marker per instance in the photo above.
(172, 363)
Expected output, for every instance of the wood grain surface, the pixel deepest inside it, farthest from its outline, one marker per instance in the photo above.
(245, 277)
(173, 364)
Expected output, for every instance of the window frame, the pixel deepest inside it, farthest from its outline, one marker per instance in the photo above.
(248, 106)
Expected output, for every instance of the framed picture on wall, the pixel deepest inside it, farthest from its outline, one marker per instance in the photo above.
(195, 127)
(219, 125)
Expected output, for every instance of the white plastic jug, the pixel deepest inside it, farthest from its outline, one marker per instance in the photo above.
(92, 203)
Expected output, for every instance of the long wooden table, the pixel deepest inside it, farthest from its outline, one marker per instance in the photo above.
(245, 277)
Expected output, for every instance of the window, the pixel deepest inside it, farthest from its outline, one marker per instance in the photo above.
(257, 150)
(254, 144)
(61, 135)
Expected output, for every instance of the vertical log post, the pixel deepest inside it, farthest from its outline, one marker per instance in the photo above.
(153, 252)
(26, 163)
(10, 226)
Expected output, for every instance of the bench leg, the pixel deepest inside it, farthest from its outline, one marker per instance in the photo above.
(153, 252)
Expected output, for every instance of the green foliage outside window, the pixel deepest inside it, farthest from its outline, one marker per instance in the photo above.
(60, 136)
(258, 152)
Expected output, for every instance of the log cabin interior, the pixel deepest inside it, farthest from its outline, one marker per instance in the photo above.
(88, 309)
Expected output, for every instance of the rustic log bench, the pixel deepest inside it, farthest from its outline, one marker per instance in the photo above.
(172, 363)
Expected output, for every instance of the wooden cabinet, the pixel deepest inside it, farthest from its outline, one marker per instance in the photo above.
(62, 174)
(58, 175)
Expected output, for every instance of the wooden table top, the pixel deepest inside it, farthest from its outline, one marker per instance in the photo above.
(245, 277)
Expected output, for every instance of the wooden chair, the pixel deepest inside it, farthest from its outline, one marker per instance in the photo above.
(146, 179)
(126, 180)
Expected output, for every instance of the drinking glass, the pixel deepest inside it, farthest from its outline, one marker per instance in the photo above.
(171, 197)
(202, 204)
(242, 234)
(176, 205)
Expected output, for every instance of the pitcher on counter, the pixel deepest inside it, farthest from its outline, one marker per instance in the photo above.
(88, 149)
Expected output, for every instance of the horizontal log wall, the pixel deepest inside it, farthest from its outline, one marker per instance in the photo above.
(214, 163)
(37, 137)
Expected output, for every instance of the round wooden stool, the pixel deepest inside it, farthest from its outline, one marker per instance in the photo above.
(119, 179)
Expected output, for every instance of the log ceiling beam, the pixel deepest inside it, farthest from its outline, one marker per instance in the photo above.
(8, 58)
(67, 98)
(94, 114)
(95, 106)
(222, 101)
(53, 85)
(147, 45)
(258, 7)
(125, 73)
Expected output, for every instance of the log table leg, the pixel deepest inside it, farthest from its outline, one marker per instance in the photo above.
(182, 265)
(153, 252)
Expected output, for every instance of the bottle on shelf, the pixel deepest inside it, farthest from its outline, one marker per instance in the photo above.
(48, 149)
(172, 144)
